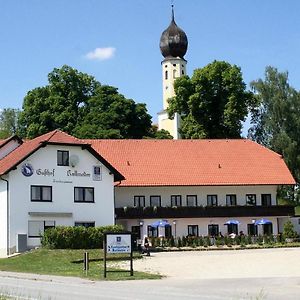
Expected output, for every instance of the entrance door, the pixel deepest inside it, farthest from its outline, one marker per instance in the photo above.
(136, 234)
(232, 228)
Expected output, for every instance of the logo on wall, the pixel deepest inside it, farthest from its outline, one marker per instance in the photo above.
(27, 170)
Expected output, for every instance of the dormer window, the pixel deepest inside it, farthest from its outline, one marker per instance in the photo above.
(62, 158)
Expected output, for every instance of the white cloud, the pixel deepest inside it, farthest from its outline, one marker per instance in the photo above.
(101, 53)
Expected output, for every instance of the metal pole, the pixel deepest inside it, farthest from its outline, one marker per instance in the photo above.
(131, 258)
(104, 257)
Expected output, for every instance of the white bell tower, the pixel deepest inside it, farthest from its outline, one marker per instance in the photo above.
(173, 46)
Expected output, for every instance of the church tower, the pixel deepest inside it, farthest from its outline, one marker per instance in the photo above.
(173, 47)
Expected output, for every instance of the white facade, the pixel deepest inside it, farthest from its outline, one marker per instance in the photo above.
(125, 198)
(62, 209)
(125, 195)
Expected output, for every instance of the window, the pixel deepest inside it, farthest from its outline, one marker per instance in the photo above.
(168, 231)
(83, 194)
(139, 201)
(268, 229)
(40, 193)
(182, 72)
(152, 231)
(97, 173)
(174, 73)
(212, 200)
(62, 158)
(166, 75)
(155, 201)
(37, 228)
(232, 228)
(251, 199)
(213, 230)
(176, 200)
(252, 229)
(136, 232)
(193, 230)
(191, 200)
(266, 200)
(230, 200)
(85, 224)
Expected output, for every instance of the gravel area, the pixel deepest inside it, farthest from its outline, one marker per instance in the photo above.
(258, 263)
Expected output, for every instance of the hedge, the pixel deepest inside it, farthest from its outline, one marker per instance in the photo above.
(77, 237)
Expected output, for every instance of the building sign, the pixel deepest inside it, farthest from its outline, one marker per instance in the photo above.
(118, 243)
(114, 243)
(27, 170)
(45, 172)
(78, 174)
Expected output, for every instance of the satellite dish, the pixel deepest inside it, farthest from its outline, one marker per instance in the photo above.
(74, 160)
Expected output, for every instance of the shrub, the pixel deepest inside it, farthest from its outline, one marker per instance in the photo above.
(288, 230)
(77, 237)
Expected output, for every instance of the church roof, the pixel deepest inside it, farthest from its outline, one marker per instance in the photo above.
(173, 41)
(194, 162)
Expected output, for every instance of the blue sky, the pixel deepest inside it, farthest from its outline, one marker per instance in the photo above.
(37, 36)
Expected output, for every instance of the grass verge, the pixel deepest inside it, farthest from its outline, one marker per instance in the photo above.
(68, 263)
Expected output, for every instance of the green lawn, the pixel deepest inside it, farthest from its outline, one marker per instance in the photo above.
(67, 263)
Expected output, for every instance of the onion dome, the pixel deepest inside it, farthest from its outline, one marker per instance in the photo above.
(173, 41)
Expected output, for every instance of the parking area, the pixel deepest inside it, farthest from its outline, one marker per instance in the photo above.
(258, 263)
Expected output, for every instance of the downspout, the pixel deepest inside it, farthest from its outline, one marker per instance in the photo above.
(7, 216)
(117, 184)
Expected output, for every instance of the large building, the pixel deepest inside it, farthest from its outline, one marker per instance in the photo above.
(196, 186)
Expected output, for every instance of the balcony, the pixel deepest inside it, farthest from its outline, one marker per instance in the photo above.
(202, 212)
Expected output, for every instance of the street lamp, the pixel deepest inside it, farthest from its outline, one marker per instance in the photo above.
(175, 222)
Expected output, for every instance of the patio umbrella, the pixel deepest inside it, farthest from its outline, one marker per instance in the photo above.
(230, 222)
(160, 223)
(262, 222)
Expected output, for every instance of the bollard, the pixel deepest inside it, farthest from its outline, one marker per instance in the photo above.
(86, 261)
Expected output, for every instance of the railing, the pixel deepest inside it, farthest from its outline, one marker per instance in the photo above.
(203, 212)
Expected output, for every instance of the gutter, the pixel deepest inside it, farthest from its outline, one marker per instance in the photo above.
(7, 216)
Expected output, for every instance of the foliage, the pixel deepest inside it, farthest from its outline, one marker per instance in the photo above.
(109, 114)
(68, 263)
(78, 104)
(159, 134)
(213, 103)
(76, 237)
(289, 231)
(275, 121)
(8, 122)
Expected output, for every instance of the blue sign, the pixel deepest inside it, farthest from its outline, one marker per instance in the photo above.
(27, 170)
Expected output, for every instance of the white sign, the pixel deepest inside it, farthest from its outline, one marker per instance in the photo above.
(118, 243)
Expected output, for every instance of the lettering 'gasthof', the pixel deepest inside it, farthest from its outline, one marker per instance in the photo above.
(78, 174)
(45, 172)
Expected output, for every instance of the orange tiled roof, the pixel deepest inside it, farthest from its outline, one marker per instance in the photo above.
(54, 137)
(30, 146)
(172, 162)
(194, 162)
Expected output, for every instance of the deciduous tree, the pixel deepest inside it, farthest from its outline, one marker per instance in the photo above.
(213, 103)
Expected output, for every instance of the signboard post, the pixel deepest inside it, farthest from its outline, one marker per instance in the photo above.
(118, 243)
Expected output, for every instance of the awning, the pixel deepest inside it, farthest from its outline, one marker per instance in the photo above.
(160, 223)
(262, 222)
